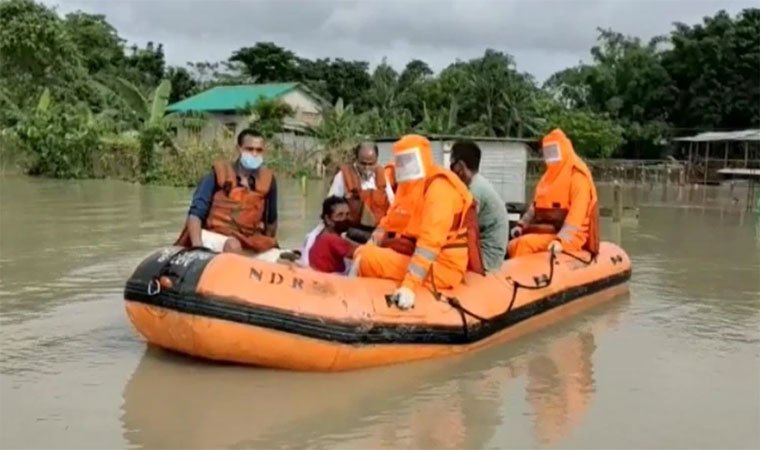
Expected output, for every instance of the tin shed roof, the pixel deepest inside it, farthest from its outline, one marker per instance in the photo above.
(231, 98)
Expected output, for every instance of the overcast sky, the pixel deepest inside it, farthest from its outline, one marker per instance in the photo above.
(543, 35)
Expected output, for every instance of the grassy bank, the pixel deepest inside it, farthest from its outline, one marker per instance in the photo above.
(142, 157)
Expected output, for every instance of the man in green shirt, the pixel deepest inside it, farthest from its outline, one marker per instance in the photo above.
(492, 211)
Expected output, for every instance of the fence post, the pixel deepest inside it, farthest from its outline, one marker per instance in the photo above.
(303, 185)
(617, 203)
(617, 233)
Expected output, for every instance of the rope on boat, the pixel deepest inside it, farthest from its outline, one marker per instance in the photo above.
(541, 283)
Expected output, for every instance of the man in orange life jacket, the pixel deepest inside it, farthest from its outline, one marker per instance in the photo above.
(364, 185)
(431, 230)
(564, 213)
(234, 207)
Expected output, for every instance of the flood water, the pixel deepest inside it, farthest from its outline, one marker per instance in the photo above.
(675, 364)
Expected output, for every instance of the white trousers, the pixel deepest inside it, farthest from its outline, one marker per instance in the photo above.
(215, 242)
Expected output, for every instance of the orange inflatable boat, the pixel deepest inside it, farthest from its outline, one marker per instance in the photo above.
(229, 307)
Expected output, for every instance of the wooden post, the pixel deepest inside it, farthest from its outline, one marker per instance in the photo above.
(635, 175)
(746, 154)
(725, 156)
(690, 162)
(303, 185)
(617, 203)
(707, 161)
(617, 233)
(635, 196)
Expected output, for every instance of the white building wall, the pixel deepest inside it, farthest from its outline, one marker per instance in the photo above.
(307, 110)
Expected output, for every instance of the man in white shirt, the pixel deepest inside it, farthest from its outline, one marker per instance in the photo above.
(366, 167)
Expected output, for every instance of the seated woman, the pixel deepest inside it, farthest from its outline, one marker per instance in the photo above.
(325, 249)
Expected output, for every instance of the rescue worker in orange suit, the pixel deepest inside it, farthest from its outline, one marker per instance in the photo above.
(564, 214)
(430, 232)
(234, 207)
(364, 185)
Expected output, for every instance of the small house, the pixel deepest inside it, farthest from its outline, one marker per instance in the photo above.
(223, 104)
(709, 152)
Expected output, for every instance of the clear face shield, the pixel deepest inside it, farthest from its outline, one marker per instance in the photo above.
(551, 153)
(409, 165)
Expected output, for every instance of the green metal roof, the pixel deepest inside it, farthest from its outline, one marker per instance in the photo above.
(231, 98)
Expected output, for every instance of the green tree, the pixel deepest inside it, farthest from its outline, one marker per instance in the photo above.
(413, 84)
(627, 83)
(715, 66)
(36, 51)
(268, 62)
(416, 70)
(182, 82)
(570, 87)
(97, 41)
(268, 115)
(60, 139)
(593, 135)
(495, 99)
(334, 79)
(146, 67)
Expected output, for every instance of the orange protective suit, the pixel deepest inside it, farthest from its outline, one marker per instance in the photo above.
(428, 215)
(565, 206)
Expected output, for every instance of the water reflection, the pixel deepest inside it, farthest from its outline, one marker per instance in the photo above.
(174, 402)
(680, 372)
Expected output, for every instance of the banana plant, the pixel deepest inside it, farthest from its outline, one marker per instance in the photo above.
(152, 109)
(43, 105)
(440, 121)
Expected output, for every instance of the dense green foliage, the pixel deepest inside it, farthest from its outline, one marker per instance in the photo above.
(76, 102)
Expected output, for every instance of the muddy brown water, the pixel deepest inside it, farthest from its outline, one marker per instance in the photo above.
(674, 364)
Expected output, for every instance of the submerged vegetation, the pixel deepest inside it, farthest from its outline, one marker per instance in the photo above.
(76, 102)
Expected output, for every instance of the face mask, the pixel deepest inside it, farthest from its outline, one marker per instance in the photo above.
(251, 162)
(341, 226)
(364, 172)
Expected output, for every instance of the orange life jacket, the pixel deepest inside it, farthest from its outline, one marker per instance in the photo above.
(464, 232)
(238, 211)
(552, 203)
(376, 200)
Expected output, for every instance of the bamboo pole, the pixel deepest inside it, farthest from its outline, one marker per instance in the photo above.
(617, 203)
(746, 154)
(707, 160)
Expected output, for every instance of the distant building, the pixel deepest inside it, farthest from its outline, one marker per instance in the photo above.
(223, 104)
(709, 152)
(503, 160)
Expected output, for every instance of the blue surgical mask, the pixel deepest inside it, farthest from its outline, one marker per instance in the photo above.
(251, 162)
